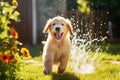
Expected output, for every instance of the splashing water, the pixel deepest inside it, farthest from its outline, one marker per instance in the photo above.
(86, 40)
(82, 63)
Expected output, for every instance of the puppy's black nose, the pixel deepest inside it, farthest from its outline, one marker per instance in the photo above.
(57, 28)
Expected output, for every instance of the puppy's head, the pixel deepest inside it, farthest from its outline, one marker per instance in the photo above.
(58, 27)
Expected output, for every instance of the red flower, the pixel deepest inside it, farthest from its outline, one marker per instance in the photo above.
(5, 57)
(14, 34)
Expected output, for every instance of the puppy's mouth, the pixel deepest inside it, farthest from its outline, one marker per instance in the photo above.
(58, 35)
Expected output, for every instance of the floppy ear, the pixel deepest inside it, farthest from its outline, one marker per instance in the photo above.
(46, 28)
(69, 26)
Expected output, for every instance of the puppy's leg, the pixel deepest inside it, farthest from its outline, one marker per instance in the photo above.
(63, 64)
(48, 65)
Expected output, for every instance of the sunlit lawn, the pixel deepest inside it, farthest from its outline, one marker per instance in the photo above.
(106, 69)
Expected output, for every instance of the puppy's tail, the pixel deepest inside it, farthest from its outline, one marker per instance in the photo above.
(43, 42)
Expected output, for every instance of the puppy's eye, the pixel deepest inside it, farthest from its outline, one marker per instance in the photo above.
(62, 24)
(53, 24)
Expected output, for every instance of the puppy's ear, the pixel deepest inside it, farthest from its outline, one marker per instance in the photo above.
(46, 27)
(69, 26)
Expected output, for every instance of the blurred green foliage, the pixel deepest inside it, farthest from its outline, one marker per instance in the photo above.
(9, 50)
(7, 13)
(83, 6)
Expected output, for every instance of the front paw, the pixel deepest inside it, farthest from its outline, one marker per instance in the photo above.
(60, 71)
(46, 72)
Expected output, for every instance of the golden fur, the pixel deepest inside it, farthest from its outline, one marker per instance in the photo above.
(57, 47)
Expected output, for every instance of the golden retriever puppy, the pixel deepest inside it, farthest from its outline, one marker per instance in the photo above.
(57, 47)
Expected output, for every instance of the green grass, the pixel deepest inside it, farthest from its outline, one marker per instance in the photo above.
(105, 70)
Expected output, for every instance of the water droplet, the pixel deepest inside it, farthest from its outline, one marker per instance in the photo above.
(2, 4)
(107, 31)
(73, 9)
(101, 24)
(92, 4)
(3, 12)
(104, 23)
(93, 23)
(81, 23)
(77, 22)
(107, 12)
(102, 4)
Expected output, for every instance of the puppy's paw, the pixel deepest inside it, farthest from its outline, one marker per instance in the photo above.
(60, 71)
(46, 72)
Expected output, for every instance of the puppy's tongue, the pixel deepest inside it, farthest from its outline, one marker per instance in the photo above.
(58, 36)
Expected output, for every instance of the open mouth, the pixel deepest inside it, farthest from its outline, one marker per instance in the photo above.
(58, 35)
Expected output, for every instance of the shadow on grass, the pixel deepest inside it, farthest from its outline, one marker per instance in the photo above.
(64, 76)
